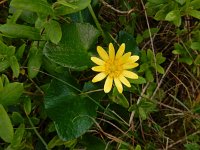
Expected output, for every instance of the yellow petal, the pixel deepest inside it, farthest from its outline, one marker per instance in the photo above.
(99, 77)
(118, 84)
(111, 51)
(120, 51)
(124, 81)
(133, 58)
(130, 74)
(130, 65)
(126, 56)
(98, 68)
(102, 53)
(97, 61)
(108, 84)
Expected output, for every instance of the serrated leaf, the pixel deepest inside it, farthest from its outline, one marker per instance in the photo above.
(20, 31)
(39, 6)
(10, 93)
(14, 66)
(34, 62)
(54, 32)
(64, 10)
(60, 100)
(71, 51)
(6, 128)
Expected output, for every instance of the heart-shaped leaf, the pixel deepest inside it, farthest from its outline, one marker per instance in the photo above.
(72, 114)
(71, 51)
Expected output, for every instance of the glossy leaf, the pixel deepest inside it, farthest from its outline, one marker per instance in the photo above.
(6, 128)
(71, 51)
(20, 31)
(72, 114)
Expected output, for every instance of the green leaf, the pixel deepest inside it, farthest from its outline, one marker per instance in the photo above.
(14, 66)
(54, 31)
(20, 51)
(159, 58)
(27, 105)
(4, 65)
(197, 60)
(195, 46)
(159, 69)
(146, 32)
(39, 6)
(192, 146)
(130, 41)
(195, 4)
(17, 118)
(71, 51)
(180, 1)
(149, 75)
(143, 67)
(10, 93)
(194, 13)
(18, 136)
(6, 128)
(20, 31)
(142, 113)
(119, 98)
(72, 114)
(138, 147)
(174, 16)
(64, 10)
(186, 60)
(34, 62)
(140, 80)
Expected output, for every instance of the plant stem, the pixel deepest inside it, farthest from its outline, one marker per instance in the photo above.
(37, 133)
(96, 20)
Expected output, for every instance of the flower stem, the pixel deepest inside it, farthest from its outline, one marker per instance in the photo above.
(96, 20)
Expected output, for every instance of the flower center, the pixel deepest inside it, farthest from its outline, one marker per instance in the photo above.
(113, 68)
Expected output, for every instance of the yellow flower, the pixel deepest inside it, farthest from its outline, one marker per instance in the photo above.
(114, 67)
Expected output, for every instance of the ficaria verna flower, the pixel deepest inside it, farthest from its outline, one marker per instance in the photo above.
(115, 67)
